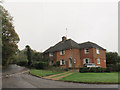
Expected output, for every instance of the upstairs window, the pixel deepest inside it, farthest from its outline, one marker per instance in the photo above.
(62, 62)
(62, 52)
(86, 51)
(50, 54)
(97, 51)
(98, 60)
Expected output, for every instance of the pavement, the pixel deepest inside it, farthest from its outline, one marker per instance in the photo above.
(18, 77)
(57, 76)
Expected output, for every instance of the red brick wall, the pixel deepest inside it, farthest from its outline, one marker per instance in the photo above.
(79, 55)
(102, 57)
(92, 55)
(74, 53)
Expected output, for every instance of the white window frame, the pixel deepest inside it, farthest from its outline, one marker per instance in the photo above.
(86, 51)
(62, 52)
(98, 60)
(62, 61)
(85, 60)
(50, 54)
(97, 50)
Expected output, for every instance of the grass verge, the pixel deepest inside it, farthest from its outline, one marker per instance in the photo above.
(41, 73)
(109, 78)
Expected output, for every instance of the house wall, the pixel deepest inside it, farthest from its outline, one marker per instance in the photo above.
(92, 55)
(74, 53)
(102, 57)
(79, 56)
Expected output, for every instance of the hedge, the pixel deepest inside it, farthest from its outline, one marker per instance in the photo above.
(22, 63)
(93, 69)
(40, 65)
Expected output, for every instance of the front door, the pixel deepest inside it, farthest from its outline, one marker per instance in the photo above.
(70, 62)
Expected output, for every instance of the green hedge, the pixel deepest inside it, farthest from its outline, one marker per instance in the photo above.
(93, 69)
(22, 63)
(58, 63)
(40, 65)
(114, 67)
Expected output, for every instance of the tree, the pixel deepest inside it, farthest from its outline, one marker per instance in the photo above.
(111, 57)
(37, 56)
(9, 37)
(29, 55)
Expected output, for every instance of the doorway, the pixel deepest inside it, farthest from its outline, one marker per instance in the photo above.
(70, 62)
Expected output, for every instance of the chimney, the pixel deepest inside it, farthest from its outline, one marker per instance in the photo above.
(63, 38)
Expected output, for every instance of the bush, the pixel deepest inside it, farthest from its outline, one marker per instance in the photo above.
(58, 63)
(91, 69)
(113, 67)
(83, 70)
(22, 63)
(40, 65)
(108, 69)
(66, 69)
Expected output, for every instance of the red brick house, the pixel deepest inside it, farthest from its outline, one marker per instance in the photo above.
(74, 55)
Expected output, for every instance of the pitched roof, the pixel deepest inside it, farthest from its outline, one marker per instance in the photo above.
(89, 45)
(63, 45)
(70, 44)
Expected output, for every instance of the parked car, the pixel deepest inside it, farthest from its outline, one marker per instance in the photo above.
(90, 65)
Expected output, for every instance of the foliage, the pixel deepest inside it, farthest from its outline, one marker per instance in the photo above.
(28, 53)
(37, 56)
(92, 69)
(9, 37)
(58, 63)
(39, 65)
(22, 63)
(112, 58)
(52, 68)
(113, 61)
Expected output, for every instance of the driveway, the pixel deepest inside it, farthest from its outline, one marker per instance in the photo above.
(25, 80)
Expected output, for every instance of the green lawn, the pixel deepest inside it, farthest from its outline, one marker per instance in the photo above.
(42, 73)
(93, 77)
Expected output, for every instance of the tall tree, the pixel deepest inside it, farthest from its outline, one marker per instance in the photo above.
(112, 58)
(9, 37)
(29, 55)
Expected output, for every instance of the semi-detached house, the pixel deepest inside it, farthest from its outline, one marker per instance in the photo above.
(70, 54)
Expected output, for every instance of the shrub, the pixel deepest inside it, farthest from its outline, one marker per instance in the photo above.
(66, 69)
(58, 63)
(108, 69)
(85, 69)
(52, 68)
(113, 67)
(91, 69)
(22, 63)
(40, 65)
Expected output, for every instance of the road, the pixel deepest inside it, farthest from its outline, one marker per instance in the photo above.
(17, 79)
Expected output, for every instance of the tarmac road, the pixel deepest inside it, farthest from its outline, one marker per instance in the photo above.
(25, 80)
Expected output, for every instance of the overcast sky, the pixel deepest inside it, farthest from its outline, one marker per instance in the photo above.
(42, 24)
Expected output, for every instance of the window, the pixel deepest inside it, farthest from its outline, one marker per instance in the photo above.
(62, 52)
(97, 51)
(86, 60)
(62, 62)
(98, 60)
(50, 54)
(86, 51)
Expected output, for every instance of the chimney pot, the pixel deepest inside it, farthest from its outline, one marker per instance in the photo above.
(64, 38)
